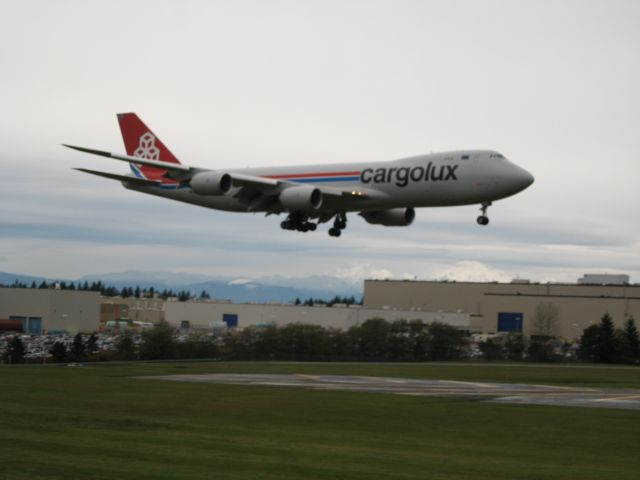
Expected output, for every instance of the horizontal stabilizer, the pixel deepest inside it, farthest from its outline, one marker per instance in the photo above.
(123, 178)
(128, 158)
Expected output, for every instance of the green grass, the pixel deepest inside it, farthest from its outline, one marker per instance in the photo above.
(97, 422)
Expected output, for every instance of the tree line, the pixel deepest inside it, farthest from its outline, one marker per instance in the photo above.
(374, 340)
(163, 294)
(112, 291)
(310, 302)
(599, 343)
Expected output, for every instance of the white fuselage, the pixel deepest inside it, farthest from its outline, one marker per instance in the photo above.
(437, 179)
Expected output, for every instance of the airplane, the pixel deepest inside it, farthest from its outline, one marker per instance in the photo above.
(383, 193)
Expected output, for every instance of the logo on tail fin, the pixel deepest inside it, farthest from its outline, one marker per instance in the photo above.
(147, 147)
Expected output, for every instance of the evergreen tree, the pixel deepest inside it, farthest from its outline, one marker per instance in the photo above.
(92, 344)
(631, 339)
(589, 342)
(59, 352)
(33, 284)
(137, 292)
(125, 347)
(606, 339)
(77, 348)
(16, 351)
(43, 285)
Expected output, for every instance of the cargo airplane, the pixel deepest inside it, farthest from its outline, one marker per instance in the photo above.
(383, 193)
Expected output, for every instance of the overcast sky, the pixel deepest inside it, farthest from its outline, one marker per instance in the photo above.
(553, 85)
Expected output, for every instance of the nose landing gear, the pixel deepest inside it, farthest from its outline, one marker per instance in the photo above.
(483, 219)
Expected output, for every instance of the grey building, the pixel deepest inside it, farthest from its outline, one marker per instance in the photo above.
(208, 314)
(45, 310)
(508, 307)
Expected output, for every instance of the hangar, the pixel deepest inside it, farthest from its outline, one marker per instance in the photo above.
(512, 307)
(208, 313)
(49, 309)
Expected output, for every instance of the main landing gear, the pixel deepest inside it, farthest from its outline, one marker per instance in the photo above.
(483, 219)
(298, 222)
(339, 224)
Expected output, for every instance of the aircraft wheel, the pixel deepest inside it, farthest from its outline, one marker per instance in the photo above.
(483, 220)
(341, 225)
(312, 226)
(334, 232)
(285, 225)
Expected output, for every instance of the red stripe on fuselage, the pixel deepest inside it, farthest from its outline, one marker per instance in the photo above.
(311, 175)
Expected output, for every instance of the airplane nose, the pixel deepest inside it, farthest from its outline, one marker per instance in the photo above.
(526, 179)
(519, 179)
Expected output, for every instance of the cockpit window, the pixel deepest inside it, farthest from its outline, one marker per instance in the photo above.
(496, 155)
(464, 157)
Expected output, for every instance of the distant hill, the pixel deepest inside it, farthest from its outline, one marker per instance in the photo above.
(241, 290)
(10, 278)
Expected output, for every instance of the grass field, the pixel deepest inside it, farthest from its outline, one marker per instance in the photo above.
(98, 422)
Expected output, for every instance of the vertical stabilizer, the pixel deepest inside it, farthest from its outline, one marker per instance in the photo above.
(140, 141)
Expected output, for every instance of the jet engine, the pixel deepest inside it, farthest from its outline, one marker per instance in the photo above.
(211, 183)
(301, 199)
(395, 217)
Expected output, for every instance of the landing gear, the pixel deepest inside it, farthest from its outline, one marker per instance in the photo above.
(483, 219)
(298, 222)
(339, 224)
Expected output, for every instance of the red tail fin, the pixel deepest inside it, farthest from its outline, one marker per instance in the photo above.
(140, 141)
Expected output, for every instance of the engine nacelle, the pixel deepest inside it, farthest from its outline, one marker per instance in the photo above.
(301, 199)
(395, 217)
(211, 183)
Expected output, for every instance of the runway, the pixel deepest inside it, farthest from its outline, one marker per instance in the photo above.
(481, 391)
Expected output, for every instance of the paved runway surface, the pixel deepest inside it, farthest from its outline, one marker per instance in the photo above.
(494, 392)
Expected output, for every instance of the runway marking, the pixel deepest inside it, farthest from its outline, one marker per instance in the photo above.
(615, 399)
(528, 394)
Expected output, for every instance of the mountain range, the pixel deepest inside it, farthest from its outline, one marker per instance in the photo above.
(241, 290)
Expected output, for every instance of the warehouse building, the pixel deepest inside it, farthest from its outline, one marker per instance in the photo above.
(51, 310)
(513, 307)
(211, 314)
(145, 310)
(208, 314)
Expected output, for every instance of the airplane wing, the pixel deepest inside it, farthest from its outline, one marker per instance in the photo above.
(122, 178)
(258, 193)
